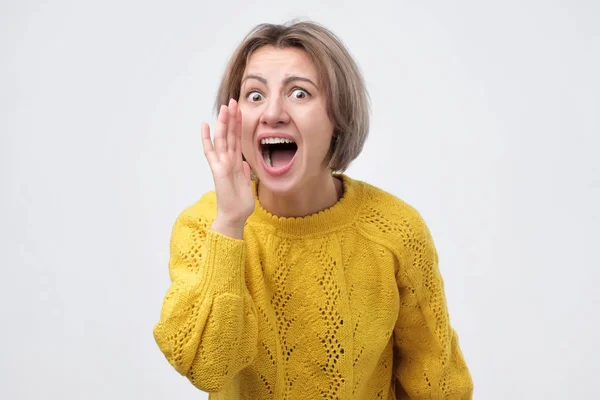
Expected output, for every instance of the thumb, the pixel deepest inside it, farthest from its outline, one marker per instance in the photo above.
(247, 170)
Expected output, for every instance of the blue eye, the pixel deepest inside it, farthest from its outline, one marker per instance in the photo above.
(254, 96)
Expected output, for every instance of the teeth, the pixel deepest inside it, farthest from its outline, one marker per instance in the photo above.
(275, 141)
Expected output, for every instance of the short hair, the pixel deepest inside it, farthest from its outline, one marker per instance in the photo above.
(347, 99)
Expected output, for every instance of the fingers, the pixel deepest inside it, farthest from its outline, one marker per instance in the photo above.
(238, 132)
(221, 131)
(231, 127)
(227, 137)
(207, 145)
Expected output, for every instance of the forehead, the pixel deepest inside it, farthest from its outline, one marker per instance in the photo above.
(269, 61)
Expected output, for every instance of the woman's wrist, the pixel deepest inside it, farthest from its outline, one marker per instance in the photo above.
(229, 228)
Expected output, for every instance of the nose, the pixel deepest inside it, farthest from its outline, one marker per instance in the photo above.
(275, 112)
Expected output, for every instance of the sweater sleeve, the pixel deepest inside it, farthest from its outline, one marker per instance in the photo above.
(428, 361)
(208, 327)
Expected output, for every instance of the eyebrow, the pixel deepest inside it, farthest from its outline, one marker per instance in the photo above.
(285, 81)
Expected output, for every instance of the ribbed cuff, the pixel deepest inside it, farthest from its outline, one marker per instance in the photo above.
(223, 270)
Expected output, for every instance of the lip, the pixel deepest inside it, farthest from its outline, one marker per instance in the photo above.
(270, 170)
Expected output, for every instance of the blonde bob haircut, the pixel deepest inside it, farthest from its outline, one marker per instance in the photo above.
(346, 96)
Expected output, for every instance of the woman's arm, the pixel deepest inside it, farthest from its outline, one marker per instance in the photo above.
(207, 328)
(429, 363)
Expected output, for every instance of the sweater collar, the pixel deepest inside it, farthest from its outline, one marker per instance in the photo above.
(341, 213)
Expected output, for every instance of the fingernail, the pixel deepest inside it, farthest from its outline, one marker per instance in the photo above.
(231, 102)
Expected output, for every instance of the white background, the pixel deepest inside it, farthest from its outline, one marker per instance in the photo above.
(485, 118)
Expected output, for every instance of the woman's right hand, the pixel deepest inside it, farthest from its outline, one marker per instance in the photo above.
(231, 175)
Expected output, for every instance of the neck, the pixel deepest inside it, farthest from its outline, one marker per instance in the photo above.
(316, 195)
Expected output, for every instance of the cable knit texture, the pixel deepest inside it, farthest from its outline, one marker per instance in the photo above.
(347, 303)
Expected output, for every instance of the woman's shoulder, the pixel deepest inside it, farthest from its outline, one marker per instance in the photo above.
(203, 208)
(387, 215)
(383, 202)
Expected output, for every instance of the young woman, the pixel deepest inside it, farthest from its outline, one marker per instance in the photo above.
(291, 280)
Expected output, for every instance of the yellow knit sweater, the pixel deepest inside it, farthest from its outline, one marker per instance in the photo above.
(347, 303)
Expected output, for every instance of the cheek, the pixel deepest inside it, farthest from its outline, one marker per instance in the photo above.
(319, 131)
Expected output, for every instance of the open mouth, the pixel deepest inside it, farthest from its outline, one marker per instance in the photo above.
(278, 152)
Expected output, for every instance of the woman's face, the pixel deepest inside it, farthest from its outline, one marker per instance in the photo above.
(286, 132)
